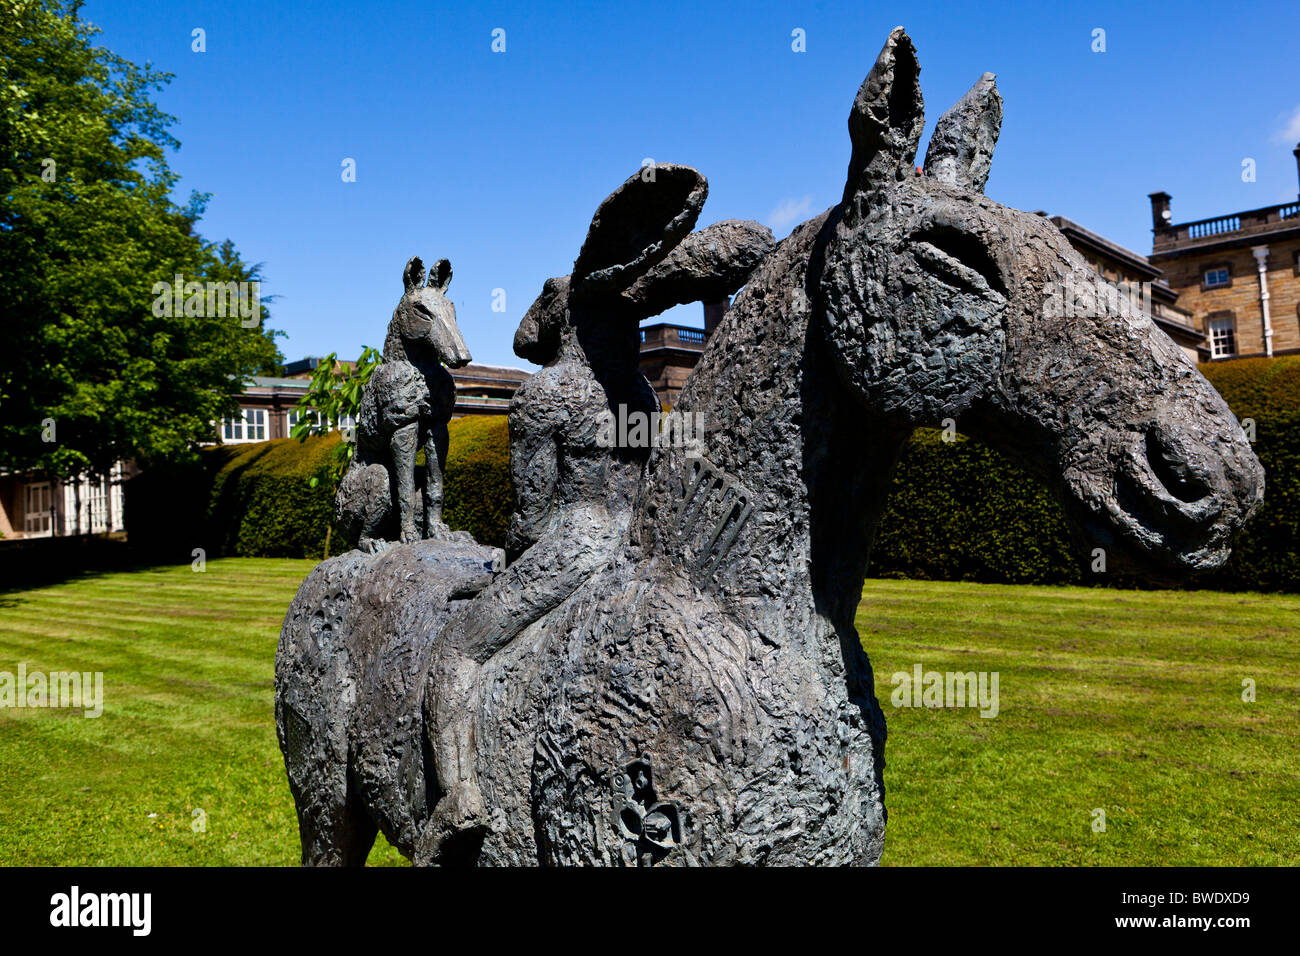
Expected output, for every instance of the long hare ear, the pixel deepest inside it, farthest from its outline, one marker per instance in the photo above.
(887, 118)
(440, 276)
(707, 265)
(636, 226)
(412, 274)
(961, 146)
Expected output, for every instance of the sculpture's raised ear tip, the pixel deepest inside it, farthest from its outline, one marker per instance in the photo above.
(900, 39)
(887, 116)
(440, 275)
(961, 147)
(637, 225)
(412, 273)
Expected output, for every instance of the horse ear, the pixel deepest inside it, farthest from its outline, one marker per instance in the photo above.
(413, 274)
(705, 266)
(887, 117)
(961, 147)
(440, 275)
(636, 226)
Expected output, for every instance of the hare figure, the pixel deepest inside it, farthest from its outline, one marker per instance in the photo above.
(406, 406)
(574, 491)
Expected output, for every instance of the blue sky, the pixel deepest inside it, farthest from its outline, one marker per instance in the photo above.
(496, 161)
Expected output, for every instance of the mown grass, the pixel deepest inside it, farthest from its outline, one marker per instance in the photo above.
(1125, 701)
(188, 722)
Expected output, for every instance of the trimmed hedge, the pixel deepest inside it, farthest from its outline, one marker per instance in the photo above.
(256, 500)
(957, 510)
(962, 511)
(477, 494)
(262, 503)
(1266, 556)
(251, 500)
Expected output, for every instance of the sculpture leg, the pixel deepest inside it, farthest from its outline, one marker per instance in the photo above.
(435, 460)
(403, 448)
(458, 824)
(338, 835)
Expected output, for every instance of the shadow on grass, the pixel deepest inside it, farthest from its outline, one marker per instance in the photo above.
(43, 562)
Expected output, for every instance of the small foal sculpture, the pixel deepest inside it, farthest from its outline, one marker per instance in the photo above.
(405, 407)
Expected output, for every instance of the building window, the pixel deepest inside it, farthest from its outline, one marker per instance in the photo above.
(98, 506)
(1223, 337)
(232, 429)
(1218, 277)
(249, 426)
(37, 521)
(295, 415)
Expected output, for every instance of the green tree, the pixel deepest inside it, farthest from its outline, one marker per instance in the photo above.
(92, 372)
(333, 397)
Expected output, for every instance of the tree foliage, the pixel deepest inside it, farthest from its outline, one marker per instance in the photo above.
(333, 397)
(91, 374)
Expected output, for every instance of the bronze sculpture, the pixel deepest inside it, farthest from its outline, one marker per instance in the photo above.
(700, 695)
(383, 498)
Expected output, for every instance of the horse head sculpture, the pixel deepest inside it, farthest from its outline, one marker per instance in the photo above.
(423, 329)
(939, 302)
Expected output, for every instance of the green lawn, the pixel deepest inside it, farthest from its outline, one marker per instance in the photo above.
(1128, 702)
(188, 723)
(1122, 701)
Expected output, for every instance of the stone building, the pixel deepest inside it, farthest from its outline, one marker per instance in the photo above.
(268, 406)
(1238, 275)
(669, 352)
(1118, 265)
(36, 506)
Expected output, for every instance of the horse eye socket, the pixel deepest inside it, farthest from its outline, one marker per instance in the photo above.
(967, 249)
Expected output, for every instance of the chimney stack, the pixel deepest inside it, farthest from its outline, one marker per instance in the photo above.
(1161, 217)
(1296, 153)
(714, 311)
